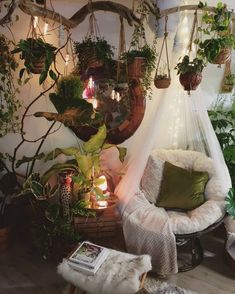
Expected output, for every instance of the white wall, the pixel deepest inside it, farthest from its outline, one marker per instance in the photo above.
(109, 28)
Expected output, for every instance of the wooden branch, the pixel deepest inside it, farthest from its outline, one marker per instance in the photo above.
(32, 9)
(185, 7)
(7, 18)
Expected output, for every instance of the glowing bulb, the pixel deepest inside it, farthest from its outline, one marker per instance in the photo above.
(45, 30)
(94, 103)
(104, 185)
(66, 59)
(35, 21)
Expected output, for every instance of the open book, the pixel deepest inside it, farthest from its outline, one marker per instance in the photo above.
(88, 257)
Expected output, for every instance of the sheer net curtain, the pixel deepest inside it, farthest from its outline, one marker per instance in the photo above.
(173, 120)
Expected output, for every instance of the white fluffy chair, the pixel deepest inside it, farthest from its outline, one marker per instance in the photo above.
(187, 226)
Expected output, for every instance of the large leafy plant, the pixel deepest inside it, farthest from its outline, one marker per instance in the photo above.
(86, 162)
(32, 50)
(215, 24)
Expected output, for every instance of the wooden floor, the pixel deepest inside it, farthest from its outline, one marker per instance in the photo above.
(22, 270)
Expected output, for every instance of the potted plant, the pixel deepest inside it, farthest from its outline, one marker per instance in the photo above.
(190, 72)
(218, 48)
(38, 57)
(162, 81)
(9, 104)
(229, 82)
(93, 52)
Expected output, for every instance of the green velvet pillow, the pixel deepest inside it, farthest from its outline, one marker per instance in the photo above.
(181, 189)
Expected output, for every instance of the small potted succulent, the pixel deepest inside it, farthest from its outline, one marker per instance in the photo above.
(190, 72)
(218, 48)
(162, 79)
(93, 52)
(38, 57)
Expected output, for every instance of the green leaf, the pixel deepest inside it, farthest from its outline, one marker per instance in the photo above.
(85, 164)
(26, 159)
(96, 141)
(122, 153)
(42, 77)
(53, 75)
(70, 151)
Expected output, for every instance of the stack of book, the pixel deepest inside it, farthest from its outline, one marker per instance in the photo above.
(88, 258)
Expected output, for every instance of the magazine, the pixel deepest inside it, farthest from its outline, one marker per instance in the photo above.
(88, 257)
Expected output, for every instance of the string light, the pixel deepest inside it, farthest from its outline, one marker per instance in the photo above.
(67, 58)
(45, 30)
(35, 21)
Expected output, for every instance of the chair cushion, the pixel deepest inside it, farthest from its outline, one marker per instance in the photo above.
(181, 188)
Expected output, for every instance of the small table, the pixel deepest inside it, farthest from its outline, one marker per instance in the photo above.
(121, 271)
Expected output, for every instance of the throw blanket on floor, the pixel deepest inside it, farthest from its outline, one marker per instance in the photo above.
(119, 274)
(147, 230)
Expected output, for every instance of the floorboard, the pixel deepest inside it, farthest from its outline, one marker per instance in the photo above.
(23, 271)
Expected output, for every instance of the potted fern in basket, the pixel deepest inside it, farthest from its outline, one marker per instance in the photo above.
(190, 72)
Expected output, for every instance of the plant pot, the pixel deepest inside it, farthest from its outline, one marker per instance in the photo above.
(85, 196)
(37, 65)
(136, 67)
(223, 56)
(88, 58)
(4, 238)
(190, 81)
(162, 83)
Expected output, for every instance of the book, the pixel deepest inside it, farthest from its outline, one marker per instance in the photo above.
(88, 257)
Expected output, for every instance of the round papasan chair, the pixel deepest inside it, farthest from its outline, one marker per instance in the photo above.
(156, 231)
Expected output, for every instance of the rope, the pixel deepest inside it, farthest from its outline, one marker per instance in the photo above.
(93, 29)
(122, 45)
(164, 42)
(194, 27)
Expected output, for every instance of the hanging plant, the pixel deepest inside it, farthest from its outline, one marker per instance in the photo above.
(218, 48)
(38, 57)
(93, 52)
(9, 104)
(190, 72)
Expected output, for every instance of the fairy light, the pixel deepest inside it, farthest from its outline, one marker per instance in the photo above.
(45, 30)
(35, 21)
(67, 58)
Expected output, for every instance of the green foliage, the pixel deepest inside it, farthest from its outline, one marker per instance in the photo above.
(187, 66)
(230, 202)
(99, 46)
(230, 79)
(9, 104)
(223, 123)
(87, 160)
(217, 25)
(70, 87)
(32, 50)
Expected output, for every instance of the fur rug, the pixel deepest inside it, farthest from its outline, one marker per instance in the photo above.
(154, 286)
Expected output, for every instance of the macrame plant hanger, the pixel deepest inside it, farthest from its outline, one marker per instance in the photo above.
(161, 79)
(191, 79)
(121, 67)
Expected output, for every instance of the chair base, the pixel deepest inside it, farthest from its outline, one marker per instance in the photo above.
(189, 248)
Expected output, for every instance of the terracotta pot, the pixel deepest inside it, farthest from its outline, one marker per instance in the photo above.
(88, 58)
(4, 238)
(136, 67)
(190, 81)
(162, 83)
(37, 65)
(223, 56)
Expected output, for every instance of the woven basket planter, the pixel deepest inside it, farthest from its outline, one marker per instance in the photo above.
(162, 83)
(37, 65)
(88, 58)
(223, 56)
(136, 67)
(190, 81)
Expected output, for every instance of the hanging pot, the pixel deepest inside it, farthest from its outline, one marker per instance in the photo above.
(88, 58)
(136, 67)
(37, 65)
(162, 83)
(223, 56)
(190, 80)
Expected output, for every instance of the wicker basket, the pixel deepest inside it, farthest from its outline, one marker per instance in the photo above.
(37, 65)
(190, 81)
(223, 56)
(162, 83)
(136, 67)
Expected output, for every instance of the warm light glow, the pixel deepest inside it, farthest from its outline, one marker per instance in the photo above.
(66, 59)
(113, 95)
(102, 203)
(89, 91)
(118, 98)
(104, 185)
(45, 30)
(35, 21)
